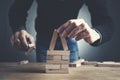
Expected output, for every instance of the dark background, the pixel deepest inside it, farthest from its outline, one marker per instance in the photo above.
(107, 52)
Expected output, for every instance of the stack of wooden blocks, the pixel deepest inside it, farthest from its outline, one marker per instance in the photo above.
(57, 60)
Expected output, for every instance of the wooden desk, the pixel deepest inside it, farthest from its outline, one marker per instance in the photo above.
(35, 71)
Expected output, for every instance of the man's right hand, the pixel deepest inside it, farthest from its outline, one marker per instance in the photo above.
(21, 39)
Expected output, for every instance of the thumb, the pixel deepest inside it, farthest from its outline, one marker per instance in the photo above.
(31, 41)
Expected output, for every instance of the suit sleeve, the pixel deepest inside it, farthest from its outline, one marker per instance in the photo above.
(18, 14)
(101, 20)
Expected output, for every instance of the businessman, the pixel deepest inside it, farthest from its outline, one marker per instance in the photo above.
(60, 15)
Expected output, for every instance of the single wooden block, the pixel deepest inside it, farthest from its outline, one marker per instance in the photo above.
(90, 63)
(65, 57)
(75, 64)
(57, 61)
(53, 40)
(108, 64)
(82, 60)
(64, 43)
(59, 71)
(52, 66)
(31, 48)
(58, 52)
(57, 57)
(64, 66)
(53, 57)
(24, 62)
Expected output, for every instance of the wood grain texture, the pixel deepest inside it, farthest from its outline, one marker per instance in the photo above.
(57, 71)
(64, 66)
(64, 43)
(58, 52)
(32, 71)
(108, 64)
(57, 62)
(53, 40)
(53, 66)
(90, 63)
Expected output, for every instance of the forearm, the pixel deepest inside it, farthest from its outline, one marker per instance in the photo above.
(18, 14)
(106, 31)
(101, 20)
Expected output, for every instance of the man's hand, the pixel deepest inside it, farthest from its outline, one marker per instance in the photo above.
(21, 40)
(79, 29)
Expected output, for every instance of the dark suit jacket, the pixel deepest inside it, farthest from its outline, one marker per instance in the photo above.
(52, 13)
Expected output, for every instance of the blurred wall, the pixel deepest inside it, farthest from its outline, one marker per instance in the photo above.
(109, 51)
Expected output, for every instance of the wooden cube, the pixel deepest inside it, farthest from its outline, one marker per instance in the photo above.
(65, 57)
(58, 52)
(53, 66)
(57, 57)
(64, 66)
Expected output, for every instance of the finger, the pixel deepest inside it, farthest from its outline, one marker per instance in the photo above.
(88, 39)
(87, 36)
(68, 30)
(73, 33)
(82, 35)
(16, 38)
(12, 40)
(62, 27)
(17, 44)
(24, 42)
(31, 42)
(78, 37)
(77, 30)
(85, 33)
(16, 41)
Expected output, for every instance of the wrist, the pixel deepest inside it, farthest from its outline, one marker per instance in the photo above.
(98, 40)
(19, 29)
(95, 36)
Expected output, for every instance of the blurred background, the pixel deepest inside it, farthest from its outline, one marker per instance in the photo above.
(106, 52)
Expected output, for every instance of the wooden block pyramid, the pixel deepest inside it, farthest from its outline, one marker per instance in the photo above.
(57, 60)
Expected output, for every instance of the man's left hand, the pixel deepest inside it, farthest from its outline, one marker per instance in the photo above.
(79, 29)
